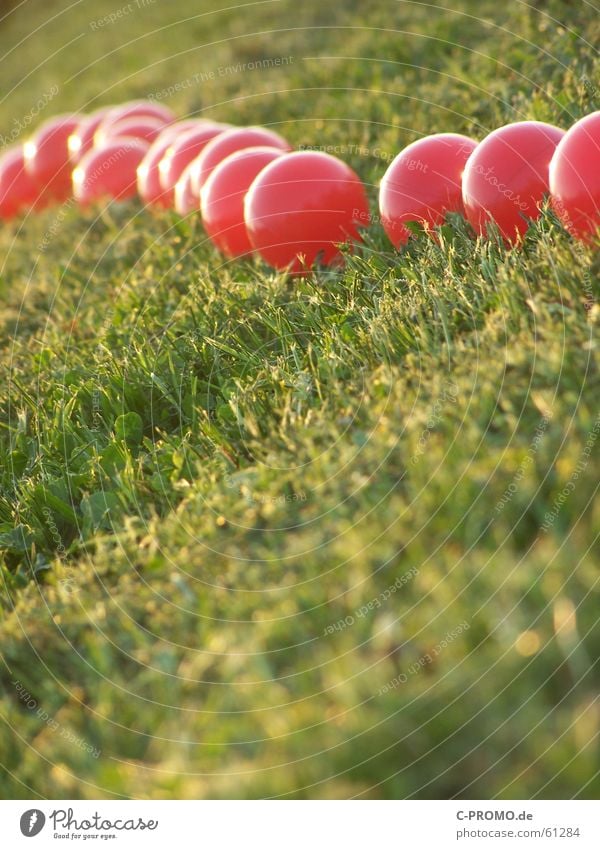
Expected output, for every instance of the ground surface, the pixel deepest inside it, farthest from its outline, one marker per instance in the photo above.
(263, 537)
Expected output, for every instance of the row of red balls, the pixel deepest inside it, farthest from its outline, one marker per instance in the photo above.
(503, 179)
(293, 208)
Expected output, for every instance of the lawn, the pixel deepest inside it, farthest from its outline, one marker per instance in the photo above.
(325, 537)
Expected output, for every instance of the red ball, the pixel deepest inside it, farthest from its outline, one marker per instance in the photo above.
(301, 207)
(235, 139)
(222, 198)
(139, 126)
(47, 156)
(575, 178)
(148, 176)
(137, 109)
(185, 147)
(18, 190)
(423, 183)
(109, 171)
(506, 177)
(186, 200)
(82, 138)
(180, 127)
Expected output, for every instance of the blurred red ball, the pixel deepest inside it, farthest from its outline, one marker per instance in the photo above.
(184, 149)
(109, 171)
(575, 178)
(222, 198)
(148, 175)
(138, 126)
(506, 178)
(229, 142)
(185, 200)
(46, 156)
(423, 183)
(180, 127)
(82, 138)
(138, 109)
(301, 206)
(18, 190)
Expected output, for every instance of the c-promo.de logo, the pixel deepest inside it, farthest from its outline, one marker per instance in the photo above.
(32, 822)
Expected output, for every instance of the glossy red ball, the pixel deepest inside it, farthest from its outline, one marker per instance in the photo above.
(185, 200)
(231, 141)
(138, 126)
(82, 138)
(575, 179)
(423, 183)
(148, 175)
(181, 127)
(222, 198)
(506, 177)
(46, 156)
(301, 207)
(137, 109)
(109, 171)
(18, 190)
(183, 150)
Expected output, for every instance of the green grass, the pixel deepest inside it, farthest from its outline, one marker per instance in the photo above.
(213, 476)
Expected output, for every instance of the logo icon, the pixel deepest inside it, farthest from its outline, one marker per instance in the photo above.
(32, 822)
